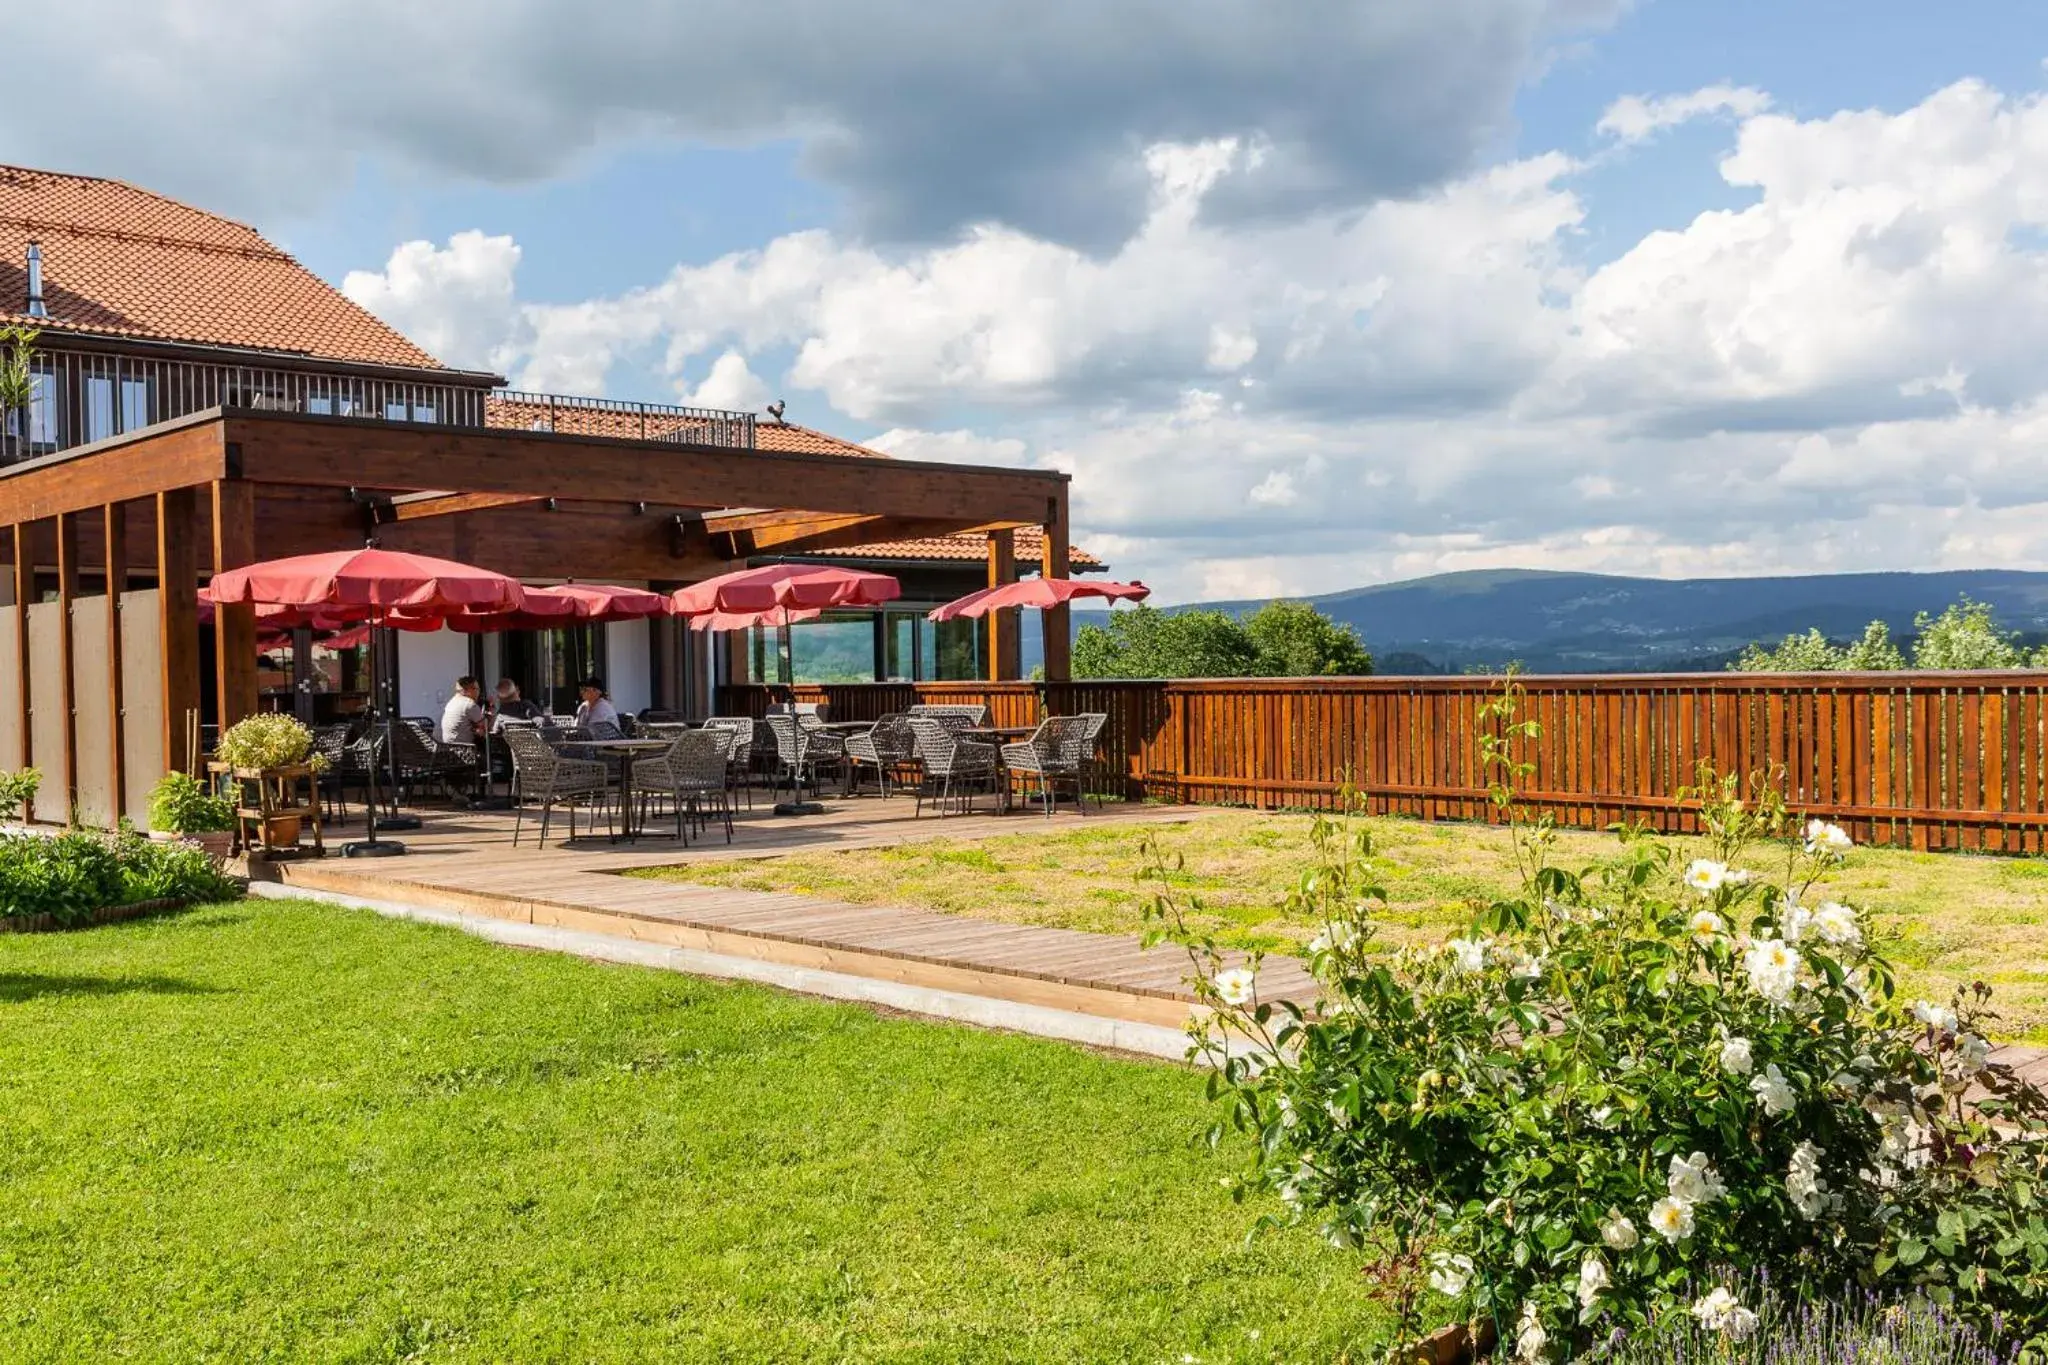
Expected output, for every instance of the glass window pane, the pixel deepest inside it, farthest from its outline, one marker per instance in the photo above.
(838, 647)
(134, 404)
(99, 407)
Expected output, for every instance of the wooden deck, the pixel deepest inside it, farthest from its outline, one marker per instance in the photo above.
(466, 863)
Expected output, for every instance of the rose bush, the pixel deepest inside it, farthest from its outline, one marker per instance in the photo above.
(1627, 1089)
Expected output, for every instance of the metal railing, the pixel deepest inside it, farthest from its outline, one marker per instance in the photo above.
(82, 396)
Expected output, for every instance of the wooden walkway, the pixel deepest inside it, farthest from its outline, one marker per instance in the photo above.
(465, 863)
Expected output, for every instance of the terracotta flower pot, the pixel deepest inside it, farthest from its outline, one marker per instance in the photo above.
(217, 844)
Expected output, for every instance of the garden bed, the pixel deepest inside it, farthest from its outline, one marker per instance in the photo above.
(77, 878)
(107, 914)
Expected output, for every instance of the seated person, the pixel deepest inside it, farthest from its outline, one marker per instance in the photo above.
(595, 708)
(462, 719)
(512, 706)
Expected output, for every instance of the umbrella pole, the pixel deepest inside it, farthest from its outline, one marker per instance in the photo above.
(373, 847)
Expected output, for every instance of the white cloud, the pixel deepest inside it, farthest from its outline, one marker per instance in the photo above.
(1849, 372)
(927, 117)
(1633, 118)
(729, 385)
(456, 301)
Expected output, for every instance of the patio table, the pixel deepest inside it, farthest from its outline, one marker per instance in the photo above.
(628, 752)
(995, 736)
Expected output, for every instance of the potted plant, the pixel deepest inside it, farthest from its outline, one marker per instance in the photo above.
(273, 752)
(17, 389)
(181, 808)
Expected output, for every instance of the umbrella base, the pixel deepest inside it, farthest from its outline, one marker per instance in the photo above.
(398, 822)
(383, 848)
(799, 808)
(490, 803)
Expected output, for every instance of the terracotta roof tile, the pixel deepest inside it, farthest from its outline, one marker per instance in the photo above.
(1028, 540)
(123, 261)
(789, 437)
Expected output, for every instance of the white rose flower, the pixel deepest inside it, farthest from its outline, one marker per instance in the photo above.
(1470, 953)
(1694, 1179)
(1721, 1312)
(1937, 1017)
(1342, 934)
(1705, 876)
(1528, 968)
(1837, 926)
(1706, 927)
(1593, 1279)
(1828, 840)
(1671, 1219)
(1793, 920)
(1617, 1231)
(1735, 1057)
(1774, 1091)
(1972, 1055)
(1234, 985)
(1449, 1274)
(1773, 970)
(1804, 1183)
(1531, 1338)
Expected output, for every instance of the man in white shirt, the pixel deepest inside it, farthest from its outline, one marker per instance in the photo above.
(462, 719)
(595, 708)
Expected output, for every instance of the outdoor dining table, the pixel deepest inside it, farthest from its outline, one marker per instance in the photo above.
(628, 752)
(996, 736)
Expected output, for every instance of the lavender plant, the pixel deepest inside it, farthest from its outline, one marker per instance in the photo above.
(1858, 1330)
(1628, 1080)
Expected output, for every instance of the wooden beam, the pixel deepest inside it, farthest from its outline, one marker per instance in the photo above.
(234, 626)
(177, 577)
(337, 452)
(67, 689)
(418, 507)
(24, 593)
(113, 564)
(139, 469)
(1004, 641)
(1059, 639)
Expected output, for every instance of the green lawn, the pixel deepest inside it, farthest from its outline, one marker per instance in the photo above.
(1944, 917)
(281, 1131)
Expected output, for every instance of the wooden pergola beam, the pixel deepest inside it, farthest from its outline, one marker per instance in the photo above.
(420, 506)
(175, 455)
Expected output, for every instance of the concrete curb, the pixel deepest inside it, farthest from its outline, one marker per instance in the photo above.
(1148, 1040)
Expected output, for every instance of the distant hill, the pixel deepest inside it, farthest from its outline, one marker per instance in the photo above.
(1595, 623)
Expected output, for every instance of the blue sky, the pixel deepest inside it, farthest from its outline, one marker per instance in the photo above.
(1304, 296)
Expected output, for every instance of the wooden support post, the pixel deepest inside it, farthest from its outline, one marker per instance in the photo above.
(67, 691)
(1005, 653)
(177, 578)
(1059, 639)
(24, 593)
(114, 528)
(234, 627)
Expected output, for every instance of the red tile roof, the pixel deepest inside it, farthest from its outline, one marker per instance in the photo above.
(1028, 540)
(789, 437)
(125, 262)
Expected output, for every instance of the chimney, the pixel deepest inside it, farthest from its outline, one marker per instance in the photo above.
(36, 307)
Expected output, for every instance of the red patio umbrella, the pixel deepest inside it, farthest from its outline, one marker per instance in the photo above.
(1036, 592)
(370, 584)
(798, 586)
(747, 620)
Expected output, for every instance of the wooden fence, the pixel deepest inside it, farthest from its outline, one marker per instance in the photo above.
(1930, 760)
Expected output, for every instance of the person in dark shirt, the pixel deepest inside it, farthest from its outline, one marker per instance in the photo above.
(512, 706)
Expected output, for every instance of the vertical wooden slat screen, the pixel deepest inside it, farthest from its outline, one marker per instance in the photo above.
(1933, 760)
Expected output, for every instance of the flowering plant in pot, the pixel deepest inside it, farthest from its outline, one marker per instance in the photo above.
(261, 748)
(1626, 1090)
(181, 807)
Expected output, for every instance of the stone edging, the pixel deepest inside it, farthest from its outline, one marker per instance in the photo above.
(47, 923)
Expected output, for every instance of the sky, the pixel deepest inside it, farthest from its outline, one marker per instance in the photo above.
(1304, 295)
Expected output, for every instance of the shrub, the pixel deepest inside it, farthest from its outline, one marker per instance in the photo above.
(1858, 1331)
(1626, 1082)
(17, 790)
(71, 875)
(181, 804)
(265, 741)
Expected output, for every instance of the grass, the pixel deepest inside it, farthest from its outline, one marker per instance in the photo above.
(283, 1131)
(1945, 918)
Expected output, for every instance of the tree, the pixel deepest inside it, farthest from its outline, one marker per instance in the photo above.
(1294, 640)
(1965, 636)
(17, 383)
(1281, 639)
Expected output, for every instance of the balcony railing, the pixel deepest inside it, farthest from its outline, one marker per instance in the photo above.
(85, 396)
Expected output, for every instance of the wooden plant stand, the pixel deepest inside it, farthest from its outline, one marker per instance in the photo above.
(265, 796)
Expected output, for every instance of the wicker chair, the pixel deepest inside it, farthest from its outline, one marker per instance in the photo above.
(545, 776)
(949, 762)
(801, 751)
(739, 766)
(692, 776)
(960, 715)
(1056, 752)
(886, 747)
(348, 765)
(426, 760)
